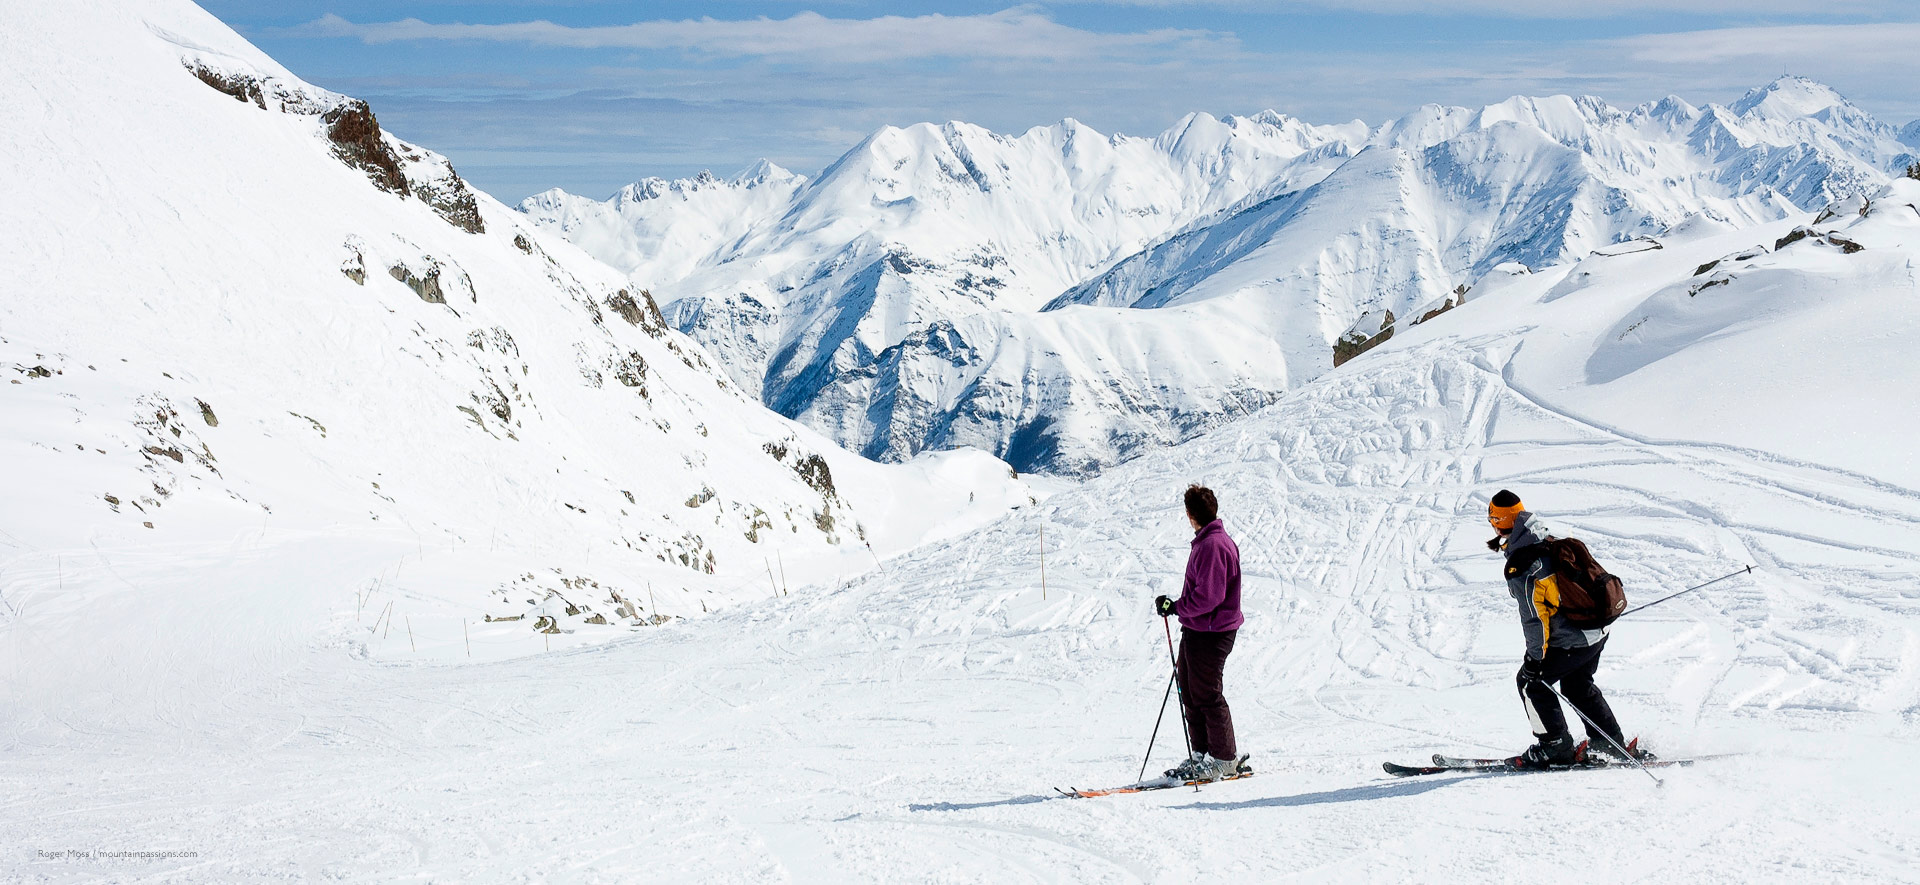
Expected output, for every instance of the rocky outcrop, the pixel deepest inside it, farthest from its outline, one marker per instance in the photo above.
(358, 142)
(425, 285)
(643, 312)
(1355, 342)
(354, 136)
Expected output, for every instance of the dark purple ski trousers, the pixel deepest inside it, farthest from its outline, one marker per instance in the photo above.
(1202, 667)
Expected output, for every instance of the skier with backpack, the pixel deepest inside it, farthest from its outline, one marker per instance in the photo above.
(1566, 603)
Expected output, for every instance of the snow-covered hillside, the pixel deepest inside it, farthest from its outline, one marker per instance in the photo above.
(890, 303)
(1737, 396)
(236, 308)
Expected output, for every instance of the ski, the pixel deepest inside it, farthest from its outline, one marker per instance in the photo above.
(1149, 785)
(1453, 765)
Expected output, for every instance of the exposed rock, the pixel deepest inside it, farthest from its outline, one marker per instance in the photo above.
(1845, 245)
(240, 87)
(521, 242)
(355, 266)
(206, 414)
(426, 286)
(357, 142)
(631, 370)
(169, 452)
(448, 195)
(814, 472)
(1716, 281)
(496, 402)
(643, 312)
(1355, 343)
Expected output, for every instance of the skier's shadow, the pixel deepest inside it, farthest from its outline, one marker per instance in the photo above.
(968, 806)
(1350, 794)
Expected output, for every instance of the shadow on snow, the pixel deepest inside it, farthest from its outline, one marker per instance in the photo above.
(1367, 792)
(1364, 793)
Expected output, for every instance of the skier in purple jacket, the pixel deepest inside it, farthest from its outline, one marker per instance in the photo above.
(1209, 610)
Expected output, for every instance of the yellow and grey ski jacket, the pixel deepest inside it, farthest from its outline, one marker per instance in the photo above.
(1531, 582)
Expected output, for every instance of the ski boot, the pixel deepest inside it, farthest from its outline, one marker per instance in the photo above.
(1188, 769)
(1550, 752)
(1202, 768)
(1605, 753)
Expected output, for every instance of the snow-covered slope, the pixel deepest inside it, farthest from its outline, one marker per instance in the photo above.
(890, 303)
(1684, 419)
(235, 307)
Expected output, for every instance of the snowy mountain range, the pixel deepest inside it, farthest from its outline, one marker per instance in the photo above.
(1066, 299)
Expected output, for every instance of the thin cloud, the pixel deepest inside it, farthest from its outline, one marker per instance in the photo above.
(1543, 9)
(1880, 43)
(1021, 33)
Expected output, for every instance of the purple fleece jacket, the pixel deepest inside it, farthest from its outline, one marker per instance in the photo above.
(1210, 596)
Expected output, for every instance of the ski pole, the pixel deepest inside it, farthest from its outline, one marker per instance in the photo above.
(1185, 732)
(1603, 733)
(1156, 729)
(1744, 571)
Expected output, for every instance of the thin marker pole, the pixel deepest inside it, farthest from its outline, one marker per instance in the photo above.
(1043, 559)
(416, 649)
(465, 638)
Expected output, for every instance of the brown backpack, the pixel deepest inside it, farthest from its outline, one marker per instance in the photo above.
(1590, 598)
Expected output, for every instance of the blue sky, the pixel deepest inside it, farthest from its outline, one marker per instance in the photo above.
(588, 95)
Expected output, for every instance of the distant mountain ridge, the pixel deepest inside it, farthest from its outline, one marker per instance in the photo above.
(944, 286)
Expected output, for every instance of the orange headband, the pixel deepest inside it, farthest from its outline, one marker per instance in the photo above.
(1502, 517)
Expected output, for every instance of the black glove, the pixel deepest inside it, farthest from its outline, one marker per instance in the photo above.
(1163, 606)
(1493, 543)
(1532, 670)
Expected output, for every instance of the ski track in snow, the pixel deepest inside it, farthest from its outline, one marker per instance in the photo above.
(911, 724)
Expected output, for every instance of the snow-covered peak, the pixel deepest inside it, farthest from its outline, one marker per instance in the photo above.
(1787, 97)
(1672, 114)
(1565, 118)
(762, 171)
(1910, 134)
